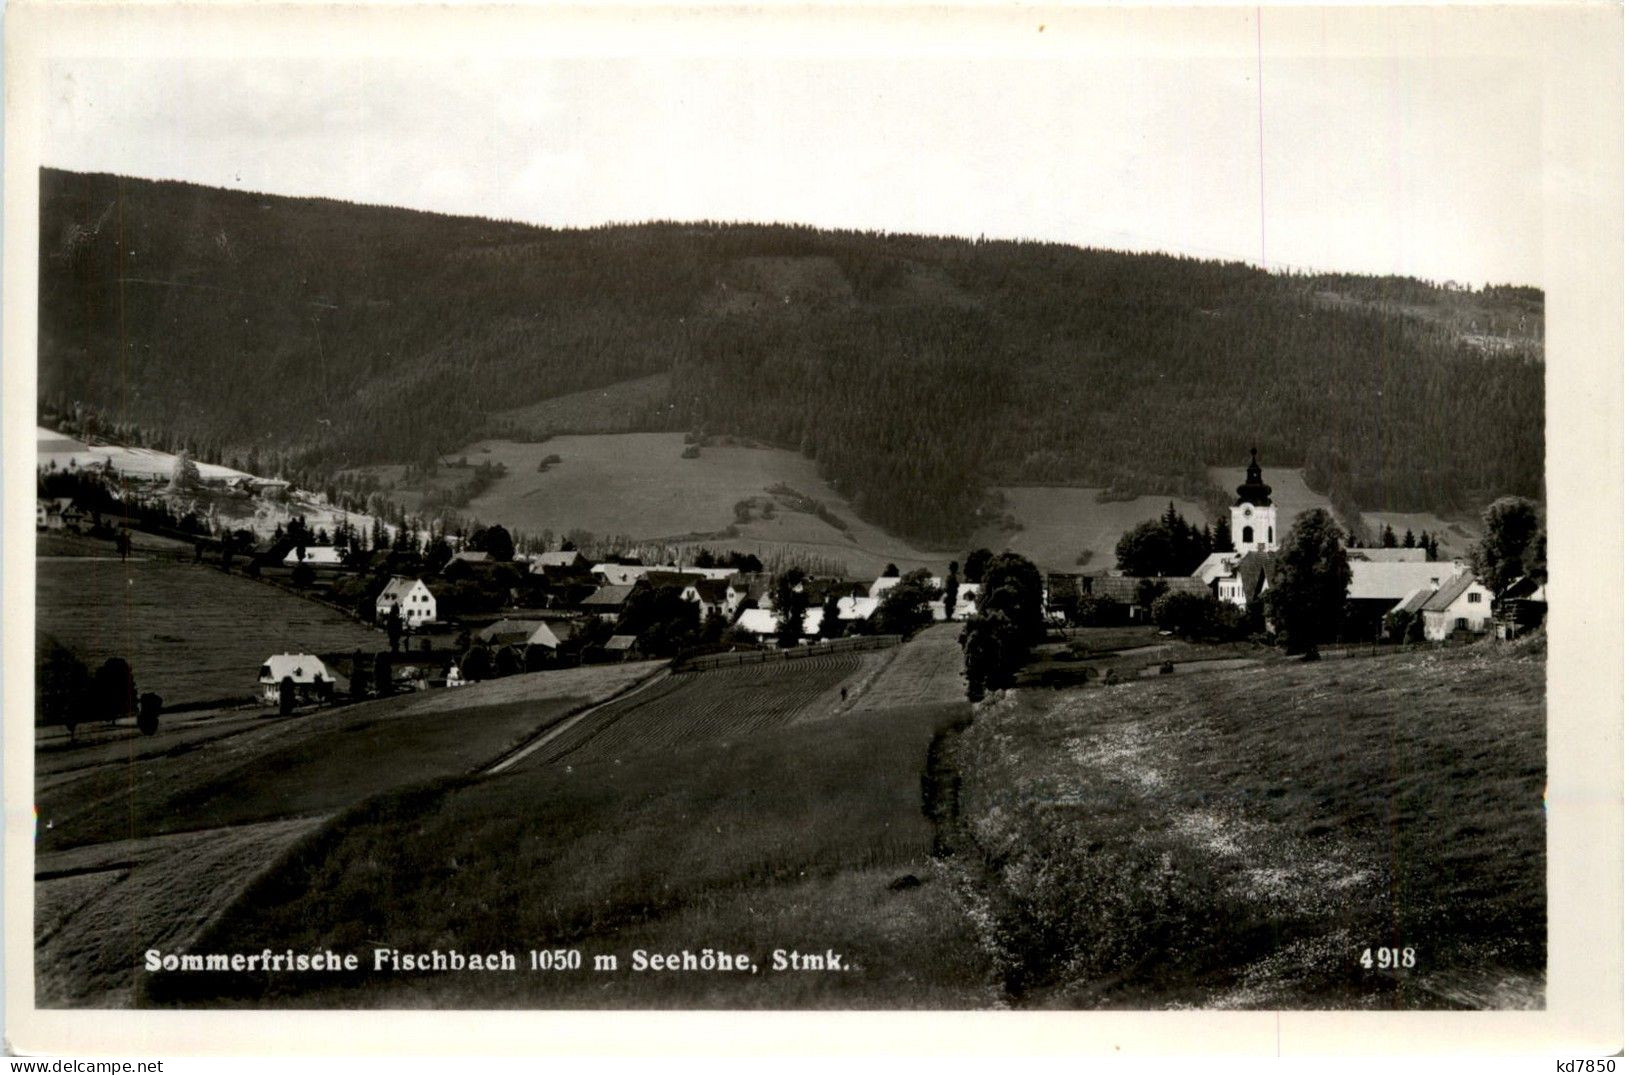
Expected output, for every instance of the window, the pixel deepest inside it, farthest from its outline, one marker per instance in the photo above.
(1474, 598)
(1246, 535)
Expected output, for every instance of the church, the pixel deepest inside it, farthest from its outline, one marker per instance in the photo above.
(1241, 574)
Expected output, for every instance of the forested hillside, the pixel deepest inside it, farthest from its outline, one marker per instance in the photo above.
(319, 334)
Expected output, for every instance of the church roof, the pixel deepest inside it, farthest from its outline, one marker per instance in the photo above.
(1253, 491)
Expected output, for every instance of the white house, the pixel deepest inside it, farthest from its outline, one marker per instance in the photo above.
(1461, 604)
(764, 624)
(416, 601)
(310, 677)
(314, 556)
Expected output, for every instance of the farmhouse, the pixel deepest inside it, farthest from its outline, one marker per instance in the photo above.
(314, 556)
(621, 648)
(856, 608)
(620, 574)
(1461, 604)
(1521, 607)
(762, 623)
(559, 566)
(1128, 591)
(520, 633)
(58, 513)
(1375, 587)
(415, 600)
(607, 602)
(310, 678)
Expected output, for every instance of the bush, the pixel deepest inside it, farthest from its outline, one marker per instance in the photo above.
(1202, 618)
(147, 720)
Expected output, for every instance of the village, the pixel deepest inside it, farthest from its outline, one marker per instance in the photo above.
(461, 609)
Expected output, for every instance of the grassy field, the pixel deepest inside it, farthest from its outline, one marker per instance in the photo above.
(1238, 839)
(1292, 497)
(189, 632)
(639, 486)
(1060, 524)
(810, 837)
(720, 705)
(926, 671)
(101, 906)
(319, 763)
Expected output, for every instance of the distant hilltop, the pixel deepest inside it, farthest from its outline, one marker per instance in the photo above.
(918, 372)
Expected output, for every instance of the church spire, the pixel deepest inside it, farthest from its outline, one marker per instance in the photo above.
(1253, 490)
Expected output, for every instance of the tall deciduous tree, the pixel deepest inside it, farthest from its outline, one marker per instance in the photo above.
(1307, 597)
(1509, 547)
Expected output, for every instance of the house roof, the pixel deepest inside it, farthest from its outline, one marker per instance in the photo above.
(1414, 601)
(1447, 594)
(1255, 570)
(1389, 556)
(300, 667)
(857, 608)
(607, 597)
(762, 621)
(1217, 565)
(620, 574)
(558, 559)
(399, 586)
(1385, 581)
(318, 555)
(712, 591)
(621, 643)
(661, 579)
(519, 633)
(470, 557)
(1524, 588)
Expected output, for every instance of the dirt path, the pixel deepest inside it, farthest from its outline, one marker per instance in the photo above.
(98, 908)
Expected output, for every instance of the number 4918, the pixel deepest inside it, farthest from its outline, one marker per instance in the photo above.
(1388, 958)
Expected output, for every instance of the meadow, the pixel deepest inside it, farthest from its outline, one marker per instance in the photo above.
(190, 633)
(1240, 839)
(320, 763)
(808, 836)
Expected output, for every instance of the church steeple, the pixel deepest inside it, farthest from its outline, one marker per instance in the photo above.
(1252, 517)
(1253, 491)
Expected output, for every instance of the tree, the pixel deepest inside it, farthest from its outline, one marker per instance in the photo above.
(303, 577)
(790, 604)
(147, 719)
(661, 620)
(358, 675)
(383, 675)
(184, 477)
(476, 663)
(113, 694)
(830, 625)
(61, 685)
(1410, 539)
(1307, 598)
(1389, 540)
(393, 626)
(285, 696)
(989, 663)
(495, 540)
(976, 563)
(906, 607)
(950, 592)
(891, 572)
(1508, 549)
(1012, 585)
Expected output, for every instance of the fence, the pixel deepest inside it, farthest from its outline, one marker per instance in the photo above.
(759, 656)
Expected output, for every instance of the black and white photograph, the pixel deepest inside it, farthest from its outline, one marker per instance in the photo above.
(1009, 510)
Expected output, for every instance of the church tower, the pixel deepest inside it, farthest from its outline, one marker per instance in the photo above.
(1252, 517)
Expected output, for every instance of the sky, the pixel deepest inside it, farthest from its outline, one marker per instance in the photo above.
(1255, 135)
